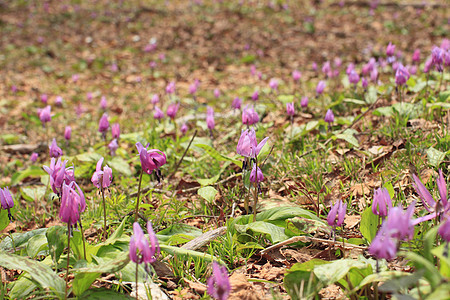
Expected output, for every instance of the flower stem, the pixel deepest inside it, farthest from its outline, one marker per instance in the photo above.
(104, 213)
(137, 272)
(68, 256)
(84, 240)
(255, 192)
(138, 198)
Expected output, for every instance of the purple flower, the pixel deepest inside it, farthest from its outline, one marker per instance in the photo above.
(424, 194)
(210, 118)
(381, 202)
(72, 203)
(113, 146)
(170, 88)
(115, 129)
(304, 102)
(249, 116)
(75, 77)
(256, 176)
(390, 49)
(114, 67)
(401, 75)
(374, 75)
(442, 187)
(151, 159)
(172, 110)
(350, 68)
(152, 64)
(103, 124)
(416, 56)
(184, 128)
(102, 179)
(338, 209)
(444, 230)
(237, 102)
(59, 174)
(59, 101)
(44, 98)
(364, 83)
(296, 75)
(329, 116)
(158, 113)
(427, 66)
(67, 133)
(155, 99)
(219, 286)
(253, 70)
(326, 69)
(255, 95)
(89, 96)
(290, 110)
(383, 245)
(314, 66)
(320, 87)
(141, 251)
(353, 77)
(399, 223)
(216, 93)
(6, 198)
(55, 151)
(247, 145)
(273, 84)
(337, 62)
(437, 58)
(103, 103)
(14, 88)
(45, 114)
(34, 156)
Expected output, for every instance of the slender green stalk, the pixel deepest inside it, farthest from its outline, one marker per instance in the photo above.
(137, 272)
(138, 198)
(68, 256)
(255, 193)
(83, 239)
(104, 212)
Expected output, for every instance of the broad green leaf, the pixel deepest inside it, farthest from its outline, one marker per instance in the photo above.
(188, 253)
(38, 271)
(348, 135)
(178, 234)
(31, 171)
(336, 270)
(36, 244)
(19, 239)
(118, 233)
(4, 221)
(57, 241)
(397, 280)
(22, 287)
(299, 226)
(208, 193)
(431, 273)
(33, 193)
(369, 224)
(387, 111)
(435, 157)
(93, 157)
(301, 274)
(275, 234)
(101, 294)
(371, 95)
(208, 181)
(120, 165)
(286, 98)
(410, 110)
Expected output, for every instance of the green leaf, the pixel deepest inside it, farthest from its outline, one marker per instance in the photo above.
(88, 157)
(22, 287)
(286, 98)
(348, 135)
(4, 220)
(369, 224)
(435, 157)
(120, 165)
(36, 244)
(217, 156)
(431, 273)
(275, 234)
(301, 226)
(208, 181)
(38, 271)
(33, 193)
(300, 275)
(178, 234)
(189, 253)
(20, 239)
(336, 270)
(371, 95)
(57, 241)
(387, 111)
(208, 193)
(32, 171)
(101, 294)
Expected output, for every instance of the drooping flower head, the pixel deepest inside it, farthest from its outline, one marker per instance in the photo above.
(290, 110)
(102, 179)
(115, 130)
(304, 101)
(401, 75)
(210, 118)
(383, 245)
(247, 145)
(155, 99)
(113, 146)
(34, 156)
(329, 116)
(337, 210)
(216, 93)
(444, 230)
(158, 113)
(59, 101)
(353, 77)
(44, 98)
(320, 87)
(184, 128)
(103, 124)
(59, 174)
(172, 110)
(416, 56)
(256, 175)
(437, 58)
(296, 75)
(249, 116)
(381, 202)
(55, 151)
(141, 251)
(67, 133)
(45, 114)
(72, 203)
(255, 95)
(151, 160)
(103, 103)
(7, 201)
(219, 286)
(170, 88)
(237, 102)
(273, 84)
(390, 52)
(399, 222)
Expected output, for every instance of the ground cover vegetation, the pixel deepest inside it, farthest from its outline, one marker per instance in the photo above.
(224, 149)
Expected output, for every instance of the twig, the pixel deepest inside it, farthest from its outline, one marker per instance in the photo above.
(182, 157)
(306, 239)
(204, 239)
